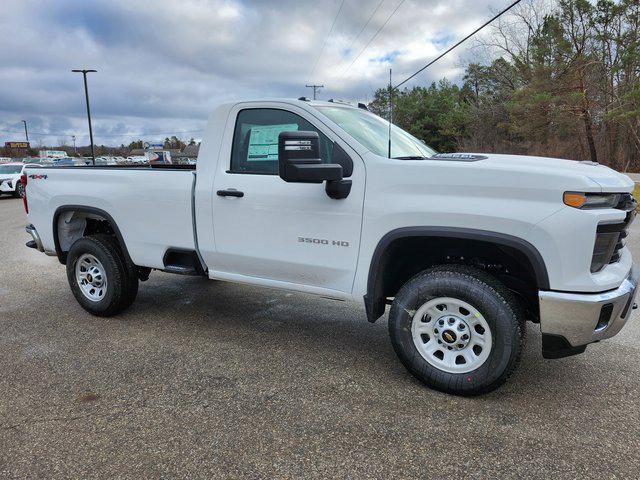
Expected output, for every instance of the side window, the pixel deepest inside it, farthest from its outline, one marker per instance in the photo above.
(255, 139)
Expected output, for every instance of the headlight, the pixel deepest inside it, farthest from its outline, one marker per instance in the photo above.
(586, 201)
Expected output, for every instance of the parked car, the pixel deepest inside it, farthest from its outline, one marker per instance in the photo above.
(106, 161)
(10, 174)
(101, 161)
(64, 162)
(320, 198)
(137, 159)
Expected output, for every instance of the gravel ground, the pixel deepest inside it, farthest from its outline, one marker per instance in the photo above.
(204, 379)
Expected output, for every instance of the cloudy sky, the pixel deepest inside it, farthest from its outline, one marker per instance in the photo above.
(163, 65)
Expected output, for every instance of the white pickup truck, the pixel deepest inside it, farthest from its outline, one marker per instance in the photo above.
(315, 197)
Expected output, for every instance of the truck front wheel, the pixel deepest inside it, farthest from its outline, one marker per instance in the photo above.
(99, 276)
(457, 329)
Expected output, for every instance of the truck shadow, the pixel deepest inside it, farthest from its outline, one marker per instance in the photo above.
(284, 335)
(310, 327)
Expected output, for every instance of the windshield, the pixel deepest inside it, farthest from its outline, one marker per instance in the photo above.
(9, 169)
(373, 132)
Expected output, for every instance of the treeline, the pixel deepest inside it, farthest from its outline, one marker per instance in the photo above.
(564, 82)
(123, 150)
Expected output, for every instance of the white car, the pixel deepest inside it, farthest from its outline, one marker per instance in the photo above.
(10, 174)
(325, 198)
(137, 159)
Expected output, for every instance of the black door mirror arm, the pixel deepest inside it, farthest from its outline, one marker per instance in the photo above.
(338, 189)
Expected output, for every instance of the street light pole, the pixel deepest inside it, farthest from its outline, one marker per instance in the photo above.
(86, 95)
(75, 150)
(26, 134)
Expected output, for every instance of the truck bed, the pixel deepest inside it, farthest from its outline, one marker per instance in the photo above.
(151, 205)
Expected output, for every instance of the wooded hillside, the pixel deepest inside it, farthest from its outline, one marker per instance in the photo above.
(563, 81)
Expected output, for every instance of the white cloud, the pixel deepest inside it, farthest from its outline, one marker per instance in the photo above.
(163, 65)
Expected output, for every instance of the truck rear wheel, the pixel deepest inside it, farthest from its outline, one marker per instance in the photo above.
(100, 277)
(457, 329)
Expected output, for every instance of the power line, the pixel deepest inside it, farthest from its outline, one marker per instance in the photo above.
(459, 43)
(373, 38)
(355, 39)
(324, 44)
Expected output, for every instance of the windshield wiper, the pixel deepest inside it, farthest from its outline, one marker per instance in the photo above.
(411, 157)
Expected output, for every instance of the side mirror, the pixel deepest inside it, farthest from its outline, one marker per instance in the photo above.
(299, 161)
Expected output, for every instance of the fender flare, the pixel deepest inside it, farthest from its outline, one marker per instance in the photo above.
(374, 300)
(62, 256)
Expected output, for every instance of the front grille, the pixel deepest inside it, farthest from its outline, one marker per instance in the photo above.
(629, 205)
(611, 237)
(626, 202)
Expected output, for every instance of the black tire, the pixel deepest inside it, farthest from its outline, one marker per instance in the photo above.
(121, 276)
(131, 270)
(19, 191)
(489, 297)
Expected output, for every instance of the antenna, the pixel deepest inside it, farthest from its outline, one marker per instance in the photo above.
(390, 109)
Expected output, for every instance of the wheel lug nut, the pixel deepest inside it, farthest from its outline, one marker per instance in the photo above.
(465, 337)
(451, 321)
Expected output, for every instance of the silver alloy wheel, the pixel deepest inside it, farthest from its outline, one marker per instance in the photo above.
(91, 277)
(451, 335)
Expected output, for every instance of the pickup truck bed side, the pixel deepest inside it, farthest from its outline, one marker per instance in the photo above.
(150, 207)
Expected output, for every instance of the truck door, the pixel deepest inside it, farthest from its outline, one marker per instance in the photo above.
(271, 232)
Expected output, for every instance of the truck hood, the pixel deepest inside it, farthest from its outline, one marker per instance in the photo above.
(600, 176)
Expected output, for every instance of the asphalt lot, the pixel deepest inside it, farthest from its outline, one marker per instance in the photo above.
(208, 379)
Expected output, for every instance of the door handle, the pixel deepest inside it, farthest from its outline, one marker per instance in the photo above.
(230, 192)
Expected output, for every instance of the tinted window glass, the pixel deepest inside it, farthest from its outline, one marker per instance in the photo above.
(10, 169)
(373, 132)
(255, 139)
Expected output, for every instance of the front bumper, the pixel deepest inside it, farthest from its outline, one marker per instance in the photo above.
(7, 185)
(571, 321)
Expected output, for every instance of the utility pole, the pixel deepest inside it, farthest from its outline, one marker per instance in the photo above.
(75, 151)
(86, 95)
(26, 134)
(315, 89)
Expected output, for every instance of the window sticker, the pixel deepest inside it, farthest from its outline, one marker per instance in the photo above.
(263, 141)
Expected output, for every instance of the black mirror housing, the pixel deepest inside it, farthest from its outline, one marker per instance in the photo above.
(299, 159)
(312, 172)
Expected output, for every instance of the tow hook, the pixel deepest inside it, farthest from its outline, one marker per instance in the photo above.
(635, 306)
